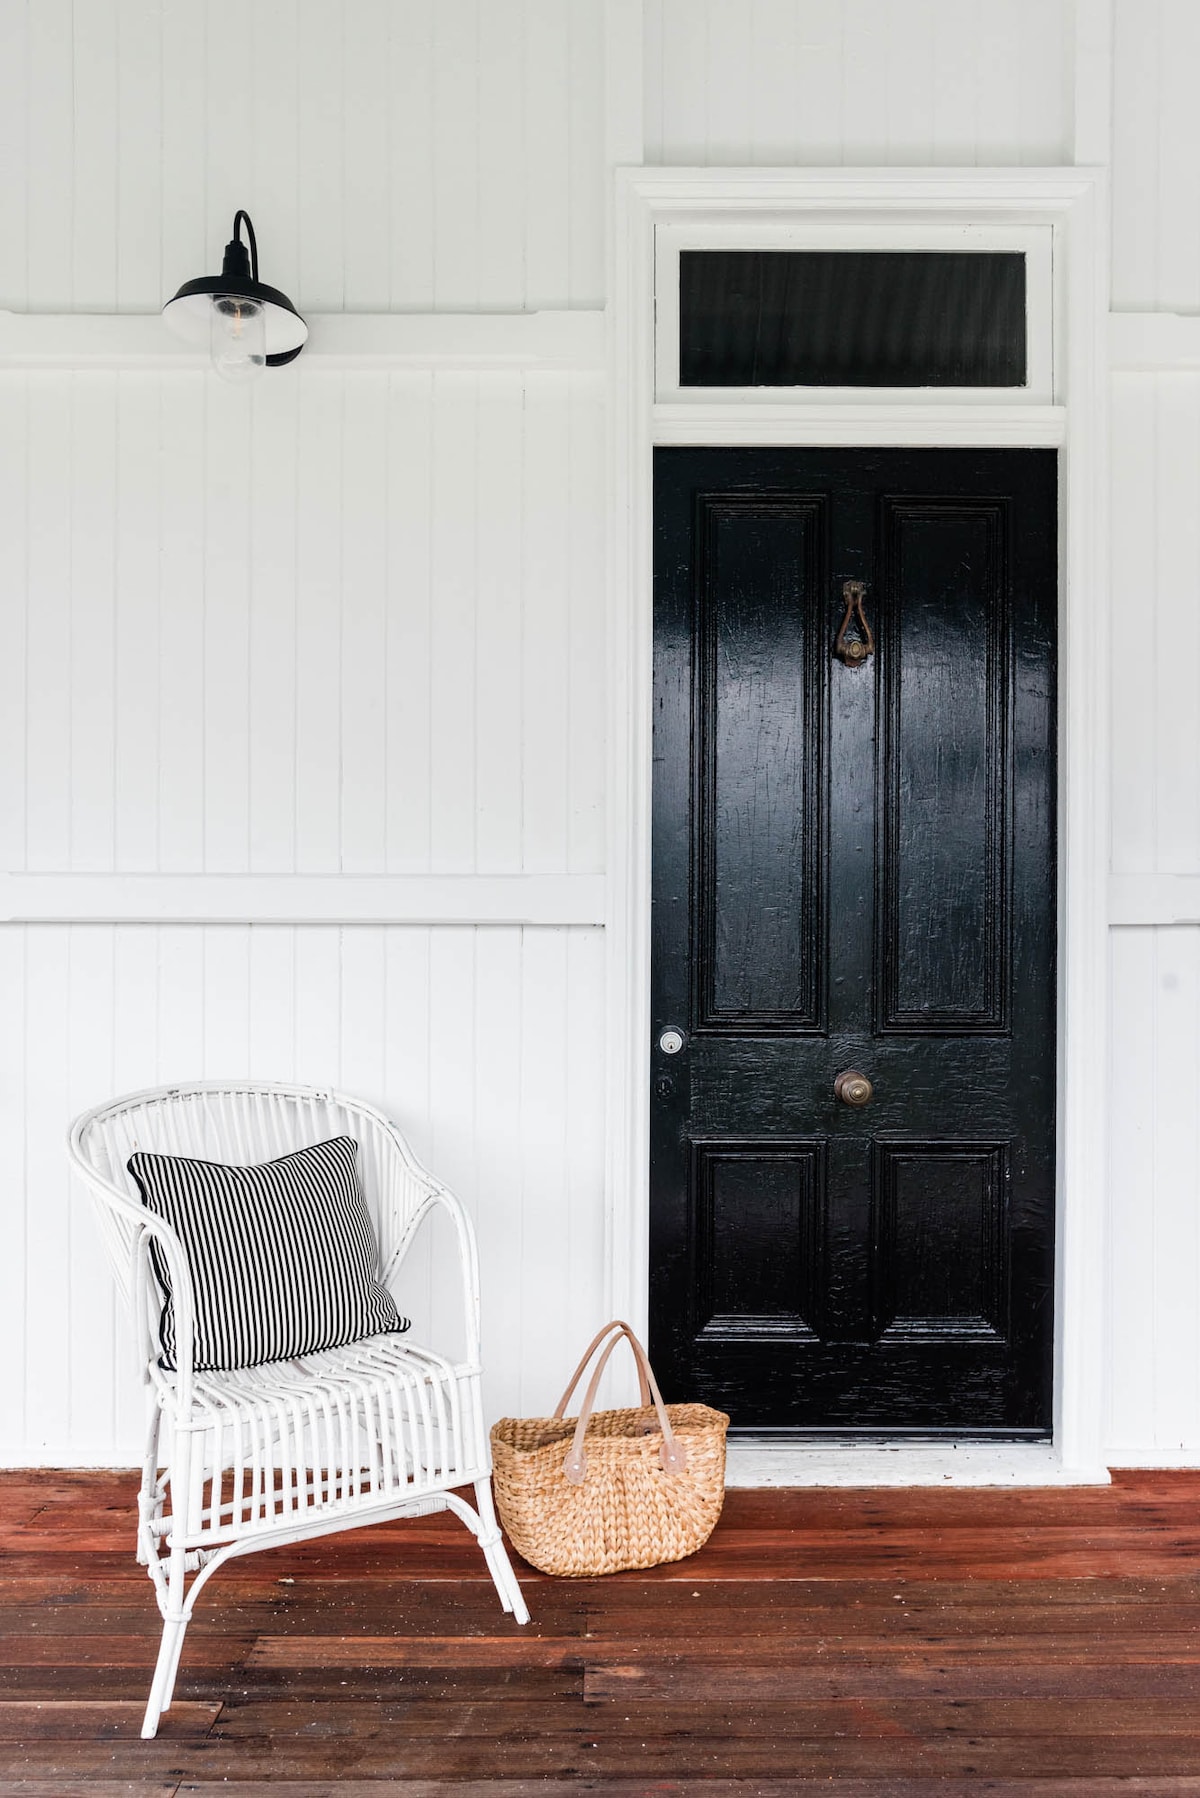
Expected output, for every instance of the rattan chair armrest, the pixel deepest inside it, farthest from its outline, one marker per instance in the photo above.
(468, 1256)
(142, 1230)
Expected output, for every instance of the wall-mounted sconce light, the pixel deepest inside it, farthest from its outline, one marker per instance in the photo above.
(246, 325)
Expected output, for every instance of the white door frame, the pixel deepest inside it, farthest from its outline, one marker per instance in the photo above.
(1074, 202)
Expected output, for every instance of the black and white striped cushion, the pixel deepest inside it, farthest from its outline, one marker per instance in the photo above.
(282, 1256)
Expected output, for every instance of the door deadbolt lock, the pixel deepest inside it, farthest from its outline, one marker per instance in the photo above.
(671, 1041)
(853, 1088)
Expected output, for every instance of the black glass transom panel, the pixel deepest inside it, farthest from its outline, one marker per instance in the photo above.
(851, 318)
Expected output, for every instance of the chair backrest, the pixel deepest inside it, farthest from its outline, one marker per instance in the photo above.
(240, 1123)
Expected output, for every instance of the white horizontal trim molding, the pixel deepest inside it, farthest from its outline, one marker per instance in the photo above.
(545, 899)
(1145, 342)
(1016, 193)
(900, 424)
(1154, 899)
(566, 339)
(468, 340)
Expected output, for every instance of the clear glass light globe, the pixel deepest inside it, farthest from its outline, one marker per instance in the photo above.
(237, 338)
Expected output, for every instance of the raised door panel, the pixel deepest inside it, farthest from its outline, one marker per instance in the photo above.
(938, 1241)
(944, 805)
(759, 898)
(758, 1236)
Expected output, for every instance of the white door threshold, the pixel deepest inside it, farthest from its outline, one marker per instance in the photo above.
(767, 1461)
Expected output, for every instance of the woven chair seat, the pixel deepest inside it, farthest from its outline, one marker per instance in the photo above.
(327, 1432)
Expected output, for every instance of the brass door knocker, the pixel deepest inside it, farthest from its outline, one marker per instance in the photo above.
(854, 651)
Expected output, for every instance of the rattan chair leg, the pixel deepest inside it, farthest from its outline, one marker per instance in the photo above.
(166, 1667)
(496, 1555)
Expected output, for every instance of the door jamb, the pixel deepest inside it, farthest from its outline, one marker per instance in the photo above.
(1074, 202)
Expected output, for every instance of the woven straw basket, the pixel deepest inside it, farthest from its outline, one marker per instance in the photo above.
(612, 1489)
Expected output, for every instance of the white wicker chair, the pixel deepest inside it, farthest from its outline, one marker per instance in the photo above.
(264, 1455)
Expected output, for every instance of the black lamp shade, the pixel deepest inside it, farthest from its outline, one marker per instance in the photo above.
(189, 312)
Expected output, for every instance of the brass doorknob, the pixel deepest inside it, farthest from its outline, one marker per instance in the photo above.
(853, 1088)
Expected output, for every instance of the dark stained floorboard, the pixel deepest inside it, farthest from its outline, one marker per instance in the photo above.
(899, 1643)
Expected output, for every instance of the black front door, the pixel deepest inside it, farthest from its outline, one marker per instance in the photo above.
(853, 1068)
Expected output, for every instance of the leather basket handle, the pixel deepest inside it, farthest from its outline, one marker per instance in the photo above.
(593, 1345)
(672, 1455)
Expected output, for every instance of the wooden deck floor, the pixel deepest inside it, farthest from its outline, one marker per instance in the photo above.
(912, 1644)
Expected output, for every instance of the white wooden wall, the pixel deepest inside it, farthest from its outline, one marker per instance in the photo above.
(483, 1043)
(347, 623)
(340, 622)
(350, 624)
(1154, 1336)
(872, 82)
(395, 154)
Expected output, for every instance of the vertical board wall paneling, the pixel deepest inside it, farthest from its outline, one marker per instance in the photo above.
(1156, 624)
(548, 136)
(81, 982)
(137, 629)
(410, 200)
(1156, 156)
(393, 154)
(265, 628)
(15, 101)
(1134, 669)
(274, 579)
(1175, 629)
(225, 670)
(363, 586)
(342, 622)
(95, 109)
(183, 238)
(545, 637)
(48, 567)
(364, 164)
(453, 668)
(89, 671)
(1154, 1339)
(14, 1263)
(175, 697)
(51, 1051)
(15, 549)
(317, 644)
(141, 140)
(408, 827)
(587, 635)
(857, 81)
(46, 160)
(485, 1045)
(499, 582)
